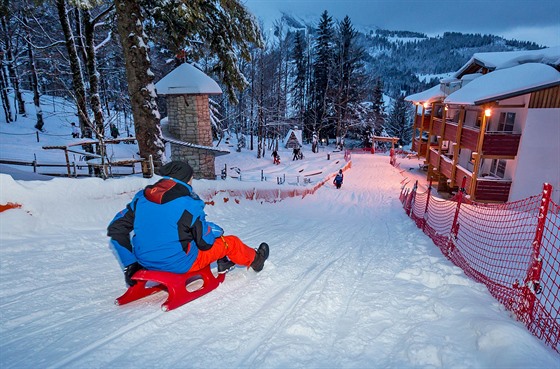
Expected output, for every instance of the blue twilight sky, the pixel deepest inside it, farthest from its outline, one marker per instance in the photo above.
(527, 20)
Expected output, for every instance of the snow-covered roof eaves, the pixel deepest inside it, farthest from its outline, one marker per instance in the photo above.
(427, 96)
(506, 83)
(186, 79)
(508, 59)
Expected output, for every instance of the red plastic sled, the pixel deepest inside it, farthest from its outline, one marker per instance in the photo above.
(176, 285)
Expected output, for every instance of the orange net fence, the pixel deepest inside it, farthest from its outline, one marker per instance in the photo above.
(512, 248)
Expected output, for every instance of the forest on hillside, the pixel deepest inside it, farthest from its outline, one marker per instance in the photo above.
(324, 76)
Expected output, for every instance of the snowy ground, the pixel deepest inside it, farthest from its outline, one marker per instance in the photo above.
(350, 283)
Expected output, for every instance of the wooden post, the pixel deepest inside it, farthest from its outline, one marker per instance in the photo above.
(421, 132)
(478, 157)
(440, 139)
(67, 162)
(427, 156)
(414, 126)
(457, 146)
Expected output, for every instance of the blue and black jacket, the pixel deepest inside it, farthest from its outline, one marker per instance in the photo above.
(339, 178)
(168, 224)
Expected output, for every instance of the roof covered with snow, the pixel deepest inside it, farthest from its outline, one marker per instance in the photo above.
(294, 133)
(427, 96)
(508, 59)
(505, 83)
(187, 79)
(511, 74)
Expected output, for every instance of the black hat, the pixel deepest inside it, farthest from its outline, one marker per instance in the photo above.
(177, 169)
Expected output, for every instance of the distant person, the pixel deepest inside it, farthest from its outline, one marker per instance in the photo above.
(114, 131)
(296, 153)
(338, 179)
(276, 157)
(171, 232)
(75, 131)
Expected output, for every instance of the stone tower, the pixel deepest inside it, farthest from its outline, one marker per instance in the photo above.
(188, 128)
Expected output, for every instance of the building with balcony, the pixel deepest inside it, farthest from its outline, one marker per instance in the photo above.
(495, 124)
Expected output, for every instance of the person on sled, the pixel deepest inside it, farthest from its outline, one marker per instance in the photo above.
(170, 231)
(338, 179)
(276, 157)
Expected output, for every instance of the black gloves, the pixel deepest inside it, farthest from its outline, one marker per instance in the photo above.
(129, 272)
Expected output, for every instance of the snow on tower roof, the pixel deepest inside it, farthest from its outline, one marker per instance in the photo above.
(427, 96)
(505, 83)
(508, 59)
(187, 79)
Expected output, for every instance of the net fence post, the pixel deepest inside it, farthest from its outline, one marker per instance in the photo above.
(532, 287)
(410, 199)
(455, 225)
(425, 215)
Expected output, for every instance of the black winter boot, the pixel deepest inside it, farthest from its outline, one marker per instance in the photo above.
(225, 265)
(260, 257)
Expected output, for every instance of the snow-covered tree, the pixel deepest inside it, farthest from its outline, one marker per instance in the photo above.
(398, 122)
(349, 79)
(322, 73)
(378, 107)
(140, 79)
(299, 87)
(220, 29)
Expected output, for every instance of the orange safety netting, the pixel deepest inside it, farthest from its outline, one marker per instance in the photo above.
(513, 248)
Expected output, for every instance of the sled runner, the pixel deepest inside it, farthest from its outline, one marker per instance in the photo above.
(181, 288)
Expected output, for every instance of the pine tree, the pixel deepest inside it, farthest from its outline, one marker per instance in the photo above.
(217, 29)
(223, 29)
(300, 76)
(322, 72)
(378, 107)
(398, 122)
(349, 78)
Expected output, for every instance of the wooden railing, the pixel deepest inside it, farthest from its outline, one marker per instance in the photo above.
(501, 144)
(425, 125)
(73, 167)
(469, 138)
(445, 166)
(450, 133)
(492, 190)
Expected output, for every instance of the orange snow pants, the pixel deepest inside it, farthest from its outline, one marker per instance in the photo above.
(230, 246)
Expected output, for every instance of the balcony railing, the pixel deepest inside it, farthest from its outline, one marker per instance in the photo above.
(501, 143)
(487, 189)
(469, 138)
(445, 166)
(419, 146)
(494, 190)
(450, 133)
(424, 125)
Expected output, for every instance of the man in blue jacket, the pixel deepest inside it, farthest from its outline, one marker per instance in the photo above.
(170, 231)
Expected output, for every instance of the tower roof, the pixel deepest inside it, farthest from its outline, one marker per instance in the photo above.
(186, 79)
